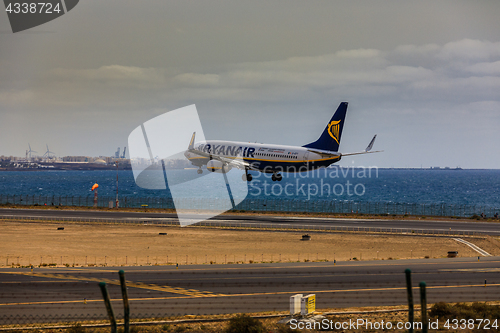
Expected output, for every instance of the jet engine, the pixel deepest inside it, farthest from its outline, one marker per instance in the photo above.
(216, 166)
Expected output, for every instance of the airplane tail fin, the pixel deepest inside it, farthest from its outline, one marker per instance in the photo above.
(330, 139)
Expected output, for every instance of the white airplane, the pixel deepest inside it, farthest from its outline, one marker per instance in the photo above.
(221, 156)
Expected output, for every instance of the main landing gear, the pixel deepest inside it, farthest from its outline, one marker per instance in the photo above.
(276, 177)
(247, 176)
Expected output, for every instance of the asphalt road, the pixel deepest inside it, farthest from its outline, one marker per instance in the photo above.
(58, 294)
(427, 226)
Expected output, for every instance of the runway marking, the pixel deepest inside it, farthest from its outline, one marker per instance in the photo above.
(481, 270)
(250, 294)
(141, 285)
(20, 282)
(359, 290)
(473, 246)
(289, 276)
(280, 277)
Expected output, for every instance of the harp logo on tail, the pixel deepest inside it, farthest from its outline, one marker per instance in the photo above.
(333, 130)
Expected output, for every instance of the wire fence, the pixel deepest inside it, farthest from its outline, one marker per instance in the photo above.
(257, 204)
(45, 296)
(250, 257)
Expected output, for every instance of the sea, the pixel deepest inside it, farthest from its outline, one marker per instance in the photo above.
(413, 186)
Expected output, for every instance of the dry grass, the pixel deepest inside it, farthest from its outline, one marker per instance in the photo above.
(87, 244)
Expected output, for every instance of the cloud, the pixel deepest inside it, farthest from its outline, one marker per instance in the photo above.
(16, 98)
(358, 54)
(193, 79)
(427, 96)
(408, 73)
(485, 68)
(470, 50)
(421, 50)
(110, 75)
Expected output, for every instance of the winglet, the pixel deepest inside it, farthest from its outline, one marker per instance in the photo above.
(191, 143)
(370, 145)
(368, 149)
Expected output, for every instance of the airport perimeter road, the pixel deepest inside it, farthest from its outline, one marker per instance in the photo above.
(427, 226)
(52, 294)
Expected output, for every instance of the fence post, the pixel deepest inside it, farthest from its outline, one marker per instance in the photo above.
(409, 290)
(126, 307)
(423, 305)
(109, 308)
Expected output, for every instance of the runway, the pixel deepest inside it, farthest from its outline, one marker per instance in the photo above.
(60, 294)
(428, 226)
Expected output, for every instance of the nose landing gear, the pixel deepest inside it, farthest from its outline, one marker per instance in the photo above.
(199, 171)
(276, 177)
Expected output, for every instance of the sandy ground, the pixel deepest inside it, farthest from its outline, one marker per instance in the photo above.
(84, 244)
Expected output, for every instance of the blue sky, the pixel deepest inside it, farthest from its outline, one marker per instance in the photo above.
(424, 76)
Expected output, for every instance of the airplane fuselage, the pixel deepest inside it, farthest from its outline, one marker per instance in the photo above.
(267, 158)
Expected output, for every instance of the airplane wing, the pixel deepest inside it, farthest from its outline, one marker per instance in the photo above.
(367, 150)
(235, 163)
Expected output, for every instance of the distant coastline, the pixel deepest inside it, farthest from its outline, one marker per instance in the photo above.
(431, 168)
(61, 166)
(77, 166)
